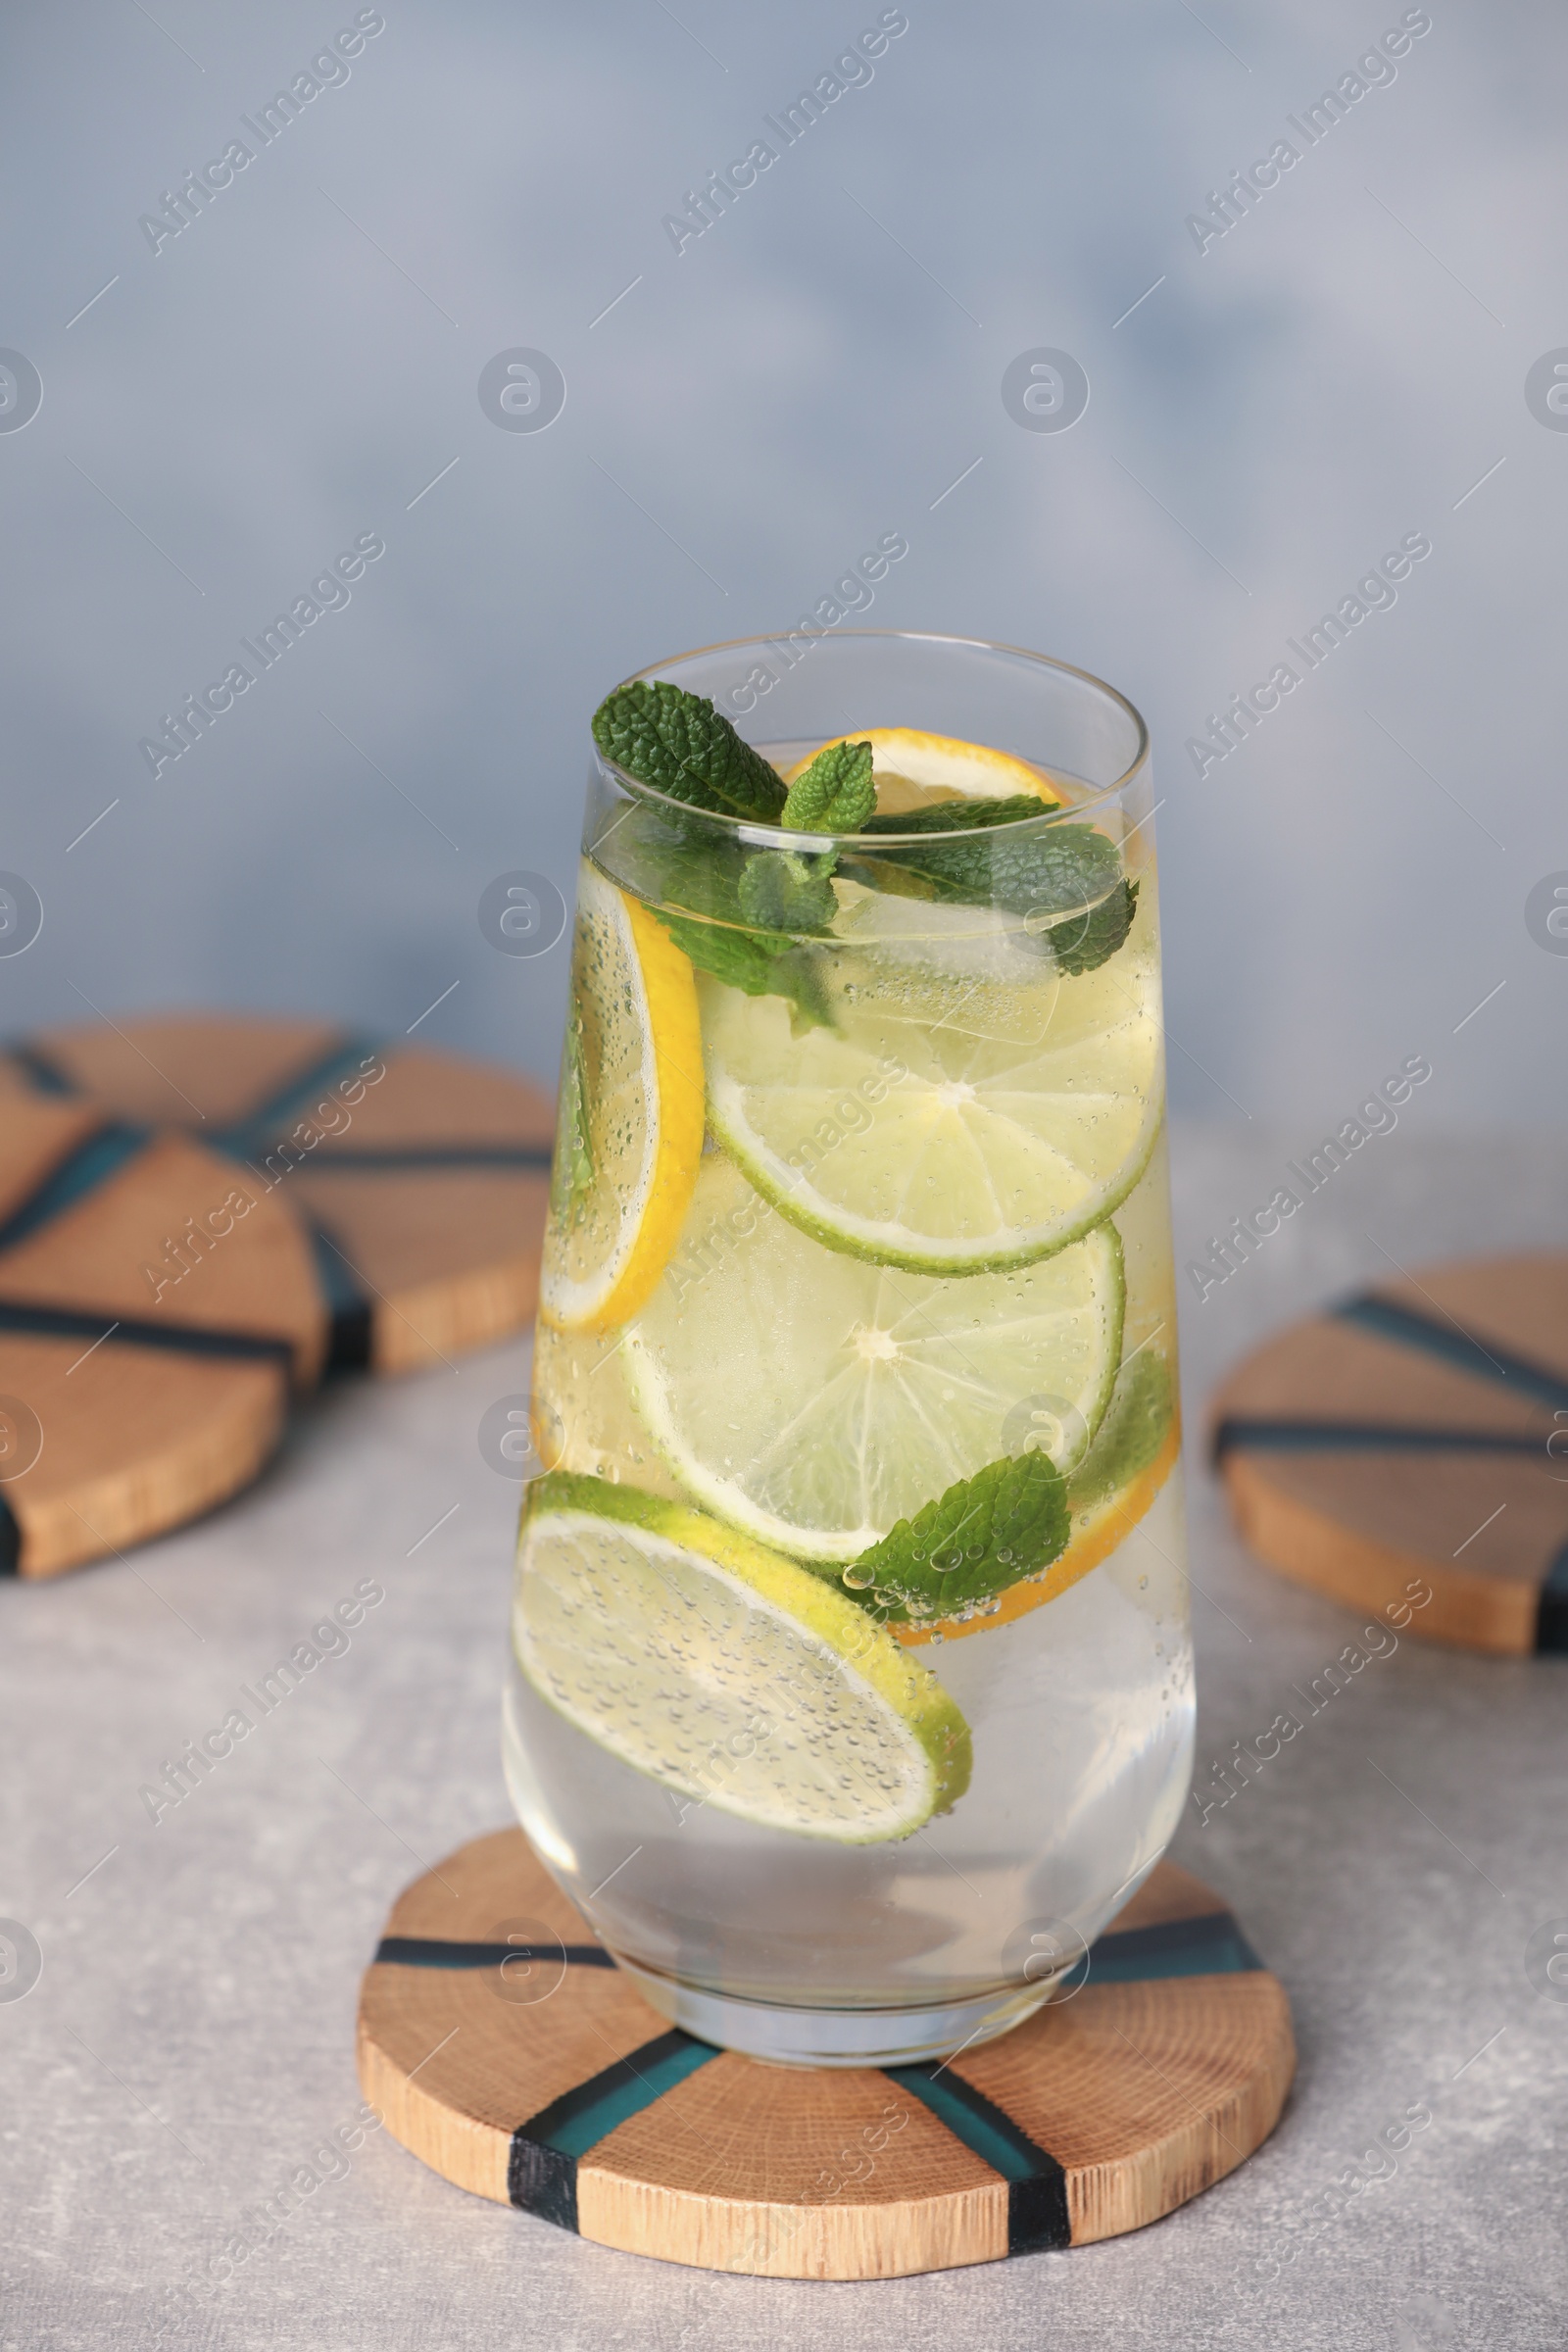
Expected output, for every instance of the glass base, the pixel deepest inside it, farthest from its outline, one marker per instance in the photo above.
(787, 2035)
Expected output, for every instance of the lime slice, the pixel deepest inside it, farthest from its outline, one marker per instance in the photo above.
(913, 770)
(815, 1400)
(631, 1114)
(725, 1672)
(952, 1123)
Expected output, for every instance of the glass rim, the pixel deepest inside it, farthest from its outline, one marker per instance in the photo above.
(751, 830)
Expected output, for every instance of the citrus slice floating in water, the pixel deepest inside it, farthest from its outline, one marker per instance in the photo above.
(913, 770)
(814, 1401)
(948, 1123)
(632, 1117)
(726, 1672)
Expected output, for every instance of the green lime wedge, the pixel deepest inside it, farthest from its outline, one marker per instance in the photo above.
(727, 1673)
(815, 1400)
(951, 1124)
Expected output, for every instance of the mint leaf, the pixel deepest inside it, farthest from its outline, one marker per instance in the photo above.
(836, 794)
(1075, 869)
(1085, 940)
(971, 1543)
(1065, 867)
(675, 859)
(761, 962)
(678, 742)
(960, 817)
(781, 892)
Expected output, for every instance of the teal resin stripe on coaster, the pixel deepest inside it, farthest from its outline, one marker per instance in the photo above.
(92, 1163)
(257, 1133)
(1037, 2185)
(83, 1168)
(542, 2168)
(31, 1320)
(421, 1158)
(257, 1137)
(259, 1126)
(1452, 1345)
(45, 1073)
(1211, 1945)
(95, 1161)
(435, 1951)
(1242, 1433)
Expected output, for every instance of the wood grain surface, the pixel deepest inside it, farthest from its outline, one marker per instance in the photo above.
(1415, 1441)
(421, 1178)
(153, 1319)
(546, 2082)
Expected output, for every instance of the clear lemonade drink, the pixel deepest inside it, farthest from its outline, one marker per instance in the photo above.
(851, 1686)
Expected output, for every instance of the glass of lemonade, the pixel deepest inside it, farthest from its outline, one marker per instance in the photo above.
(851, 1683)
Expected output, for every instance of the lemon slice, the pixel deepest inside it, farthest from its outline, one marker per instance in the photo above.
(952, 1122)
(913, 770)
(726, 1672)
(631, 1116)
(816, 1400)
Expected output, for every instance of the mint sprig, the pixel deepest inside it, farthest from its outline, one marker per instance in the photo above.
(1010, 1519)
(757, 905)
(678, 742)
(782, 891)
(760, 962)
(961, 816)
(836, 794)
(1066, 870)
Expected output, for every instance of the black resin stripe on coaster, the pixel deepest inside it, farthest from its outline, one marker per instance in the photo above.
(1037, 2185)
(1452, 1345)
(433, 1951)
(351, 1312)
(1551, 1613)
(1242, 1433)
(542, 2166)
(429, 1158)
(345, 1060)
(177, 1339)
(92, 1162)
(10, 1540)
(46, 1076)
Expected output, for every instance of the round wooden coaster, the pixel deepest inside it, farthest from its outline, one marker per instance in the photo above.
(151, 1325)
(421, 1179)
(1407, 1452)
(505, 2048)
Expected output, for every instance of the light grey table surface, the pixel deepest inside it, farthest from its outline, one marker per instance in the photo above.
(189, 2041)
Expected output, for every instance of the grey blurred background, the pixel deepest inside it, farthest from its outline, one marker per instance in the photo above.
(1268, 416)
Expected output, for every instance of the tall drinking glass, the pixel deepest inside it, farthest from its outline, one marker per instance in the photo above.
(851, 1683)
